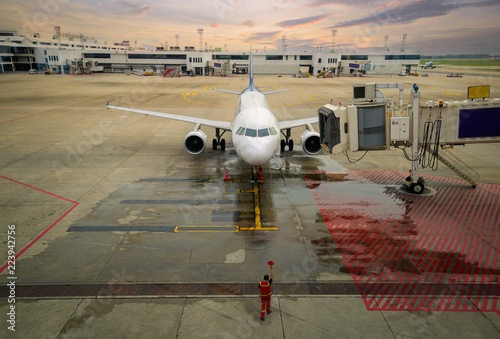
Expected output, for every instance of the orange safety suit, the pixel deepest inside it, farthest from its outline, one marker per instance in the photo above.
(265, 297)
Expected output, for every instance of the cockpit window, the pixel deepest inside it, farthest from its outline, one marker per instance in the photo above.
(272, 131)
(263, 132)
(251, 133)
(240, 131)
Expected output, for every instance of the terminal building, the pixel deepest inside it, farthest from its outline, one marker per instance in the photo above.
(79, 54)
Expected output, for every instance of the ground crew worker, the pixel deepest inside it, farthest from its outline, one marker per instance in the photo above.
(265, 295)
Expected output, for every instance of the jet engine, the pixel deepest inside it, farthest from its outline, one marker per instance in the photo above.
(310, 142)
(195, 141)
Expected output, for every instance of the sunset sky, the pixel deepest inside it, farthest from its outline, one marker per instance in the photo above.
(433, 26)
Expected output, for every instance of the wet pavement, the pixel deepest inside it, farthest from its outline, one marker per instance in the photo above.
(120, 232)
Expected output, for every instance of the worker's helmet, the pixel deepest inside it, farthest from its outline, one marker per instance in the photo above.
(266, 277)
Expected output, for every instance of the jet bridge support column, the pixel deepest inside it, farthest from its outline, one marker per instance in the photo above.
(414, 144)
(414, 183)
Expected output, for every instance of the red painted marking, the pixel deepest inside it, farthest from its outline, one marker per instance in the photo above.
(428, 233)
(48, 228)
(27, 116)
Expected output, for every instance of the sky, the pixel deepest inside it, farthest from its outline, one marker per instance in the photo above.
(432, 26)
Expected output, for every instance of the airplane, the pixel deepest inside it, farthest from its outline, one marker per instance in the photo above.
(429, 64)
(255, 130)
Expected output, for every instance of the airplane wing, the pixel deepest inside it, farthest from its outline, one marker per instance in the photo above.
(223, 91)
(278, 91)
(265, 93)
(297, 123)
(225, 125)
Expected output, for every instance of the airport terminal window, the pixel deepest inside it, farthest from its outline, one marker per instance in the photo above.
(402, 57)
(251, 133)
(229, 57)
(157, 56)
(274, 57)
(354, 57)
(263, 132)
(97, 55)
(306, 57)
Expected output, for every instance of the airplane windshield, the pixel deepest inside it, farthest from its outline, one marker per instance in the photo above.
(251, 133)
(263, 132)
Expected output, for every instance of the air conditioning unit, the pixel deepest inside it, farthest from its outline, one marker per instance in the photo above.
(364, 92)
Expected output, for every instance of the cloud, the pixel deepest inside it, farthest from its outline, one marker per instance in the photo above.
(249, 23)
(136, 10)
(408, 12)
(302, 22)
(262, 38)
(318, 3)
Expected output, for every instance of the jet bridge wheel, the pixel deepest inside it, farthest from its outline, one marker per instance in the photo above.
(417, 188)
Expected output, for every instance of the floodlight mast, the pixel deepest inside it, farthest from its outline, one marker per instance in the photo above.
(334, 33)
(200, 33)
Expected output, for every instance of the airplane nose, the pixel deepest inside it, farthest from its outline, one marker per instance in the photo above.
(257, 154)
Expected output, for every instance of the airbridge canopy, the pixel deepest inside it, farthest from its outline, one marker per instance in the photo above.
(466, 122)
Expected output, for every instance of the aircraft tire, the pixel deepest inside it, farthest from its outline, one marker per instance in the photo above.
(223, 145)
(214, 144)
(290, 145)
(283, 144)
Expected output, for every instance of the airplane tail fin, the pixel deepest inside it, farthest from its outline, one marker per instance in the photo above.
(250, 68)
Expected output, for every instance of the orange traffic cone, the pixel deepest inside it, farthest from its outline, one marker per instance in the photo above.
(226, 178)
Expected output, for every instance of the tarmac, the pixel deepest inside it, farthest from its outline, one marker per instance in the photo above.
(120, 233)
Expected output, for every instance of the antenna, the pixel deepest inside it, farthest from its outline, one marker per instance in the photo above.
(177, 36)
(334, 33)
(404, 42)
(200, 33)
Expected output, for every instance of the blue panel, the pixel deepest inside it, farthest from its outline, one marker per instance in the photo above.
(353, 65)
(479, 122)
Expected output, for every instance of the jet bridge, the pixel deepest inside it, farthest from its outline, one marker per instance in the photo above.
(368, 125)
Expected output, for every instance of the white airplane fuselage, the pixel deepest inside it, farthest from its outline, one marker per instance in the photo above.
(255, 130)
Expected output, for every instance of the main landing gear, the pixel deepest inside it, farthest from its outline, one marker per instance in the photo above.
(217, 141)
(287, 142)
